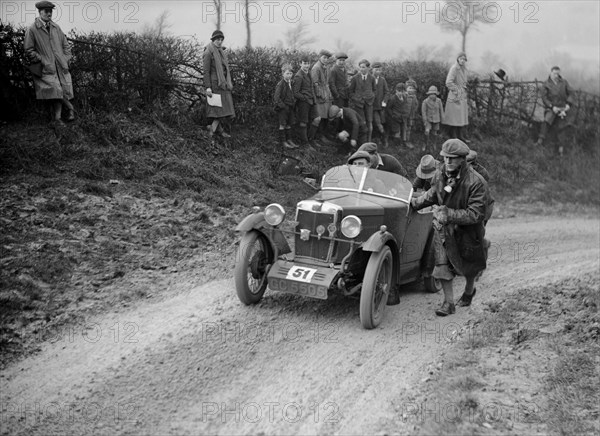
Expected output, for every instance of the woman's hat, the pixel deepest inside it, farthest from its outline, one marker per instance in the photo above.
(462, 54)
(217, 34)
(432, 90)
(427, 167)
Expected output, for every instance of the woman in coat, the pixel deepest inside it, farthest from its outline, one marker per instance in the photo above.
(456, 114)
(217, 80)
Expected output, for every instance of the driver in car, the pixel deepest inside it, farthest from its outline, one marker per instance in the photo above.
(383, 162)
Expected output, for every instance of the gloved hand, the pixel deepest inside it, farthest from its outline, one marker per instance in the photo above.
(440, 214)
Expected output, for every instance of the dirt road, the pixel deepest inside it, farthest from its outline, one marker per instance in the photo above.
(202, 363)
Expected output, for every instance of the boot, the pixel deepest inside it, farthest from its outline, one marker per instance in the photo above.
(282, 140)
(312, 131)
(303, 135)
(288, 139)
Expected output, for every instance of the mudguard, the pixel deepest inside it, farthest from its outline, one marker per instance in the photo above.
(256, 221)
(377, 241)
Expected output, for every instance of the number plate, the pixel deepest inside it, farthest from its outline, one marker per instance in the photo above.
(300, 274)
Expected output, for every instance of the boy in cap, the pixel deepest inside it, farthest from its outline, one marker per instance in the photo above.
(338, 80)
(46, 45)
(432, 112)
(413, 105)
(381, 92)
(304, 93)
(459, 247)
(362, 94)
(398, 110)
(425, 171)
(347, 124)
(284, 101)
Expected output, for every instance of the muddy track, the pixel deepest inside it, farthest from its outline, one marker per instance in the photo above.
(202, 363)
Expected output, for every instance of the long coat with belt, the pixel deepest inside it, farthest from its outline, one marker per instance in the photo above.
(338, 84)
(456, 112)
(320, 78)
(557, 94)
(211, 80)
(49, 46)
(465, 230)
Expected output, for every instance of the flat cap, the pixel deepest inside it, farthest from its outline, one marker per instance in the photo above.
(364, 61)
(45, 5)
(333, 111)
(377, 65)
(325, 53)
(359, 154)
(471, 156)
(341, 55)
(454, 148)
(369, 147)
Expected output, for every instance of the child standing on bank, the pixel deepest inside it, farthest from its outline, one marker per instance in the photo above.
(432, 112)
(397, 111)
(284, 101)
(413, 106)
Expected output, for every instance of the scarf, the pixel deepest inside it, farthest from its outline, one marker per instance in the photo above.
(220, 60)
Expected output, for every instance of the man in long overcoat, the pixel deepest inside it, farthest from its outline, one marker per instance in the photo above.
(49, 52)
(462, 197)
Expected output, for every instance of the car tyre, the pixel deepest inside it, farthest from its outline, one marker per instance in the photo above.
(376, 287)
(254, 258)
(432, 284)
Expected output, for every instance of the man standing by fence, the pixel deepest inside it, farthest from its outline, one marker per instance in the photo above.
(49, 53)
(557, 96)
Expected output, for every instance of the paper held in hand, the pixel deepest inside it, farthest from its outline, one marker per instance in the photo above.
(215, 100)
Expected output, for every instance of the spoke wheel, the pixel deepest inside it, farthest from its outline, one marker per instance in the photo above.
(376, 288)
(253, 260)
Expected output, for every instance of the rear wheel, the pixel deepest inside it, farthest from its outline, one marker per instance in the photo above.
(376, 288)
(254, 257)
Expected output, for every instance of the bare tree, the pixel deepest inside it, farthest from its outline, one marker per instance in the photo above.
(248, 36)
(297, 37)
(218, 6)
(464, 15)
(160, 26)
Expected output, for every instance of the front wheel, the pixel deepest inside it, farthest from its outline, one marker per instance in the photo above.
(432, 284)
(254, 258)
(376, 288)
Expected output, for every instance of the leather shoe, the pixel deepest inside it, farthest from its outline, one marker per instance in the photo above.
(465, 300)
(446, 309)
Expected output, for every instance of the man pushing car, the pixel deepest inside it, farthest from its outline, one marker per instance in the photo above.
(461, 196)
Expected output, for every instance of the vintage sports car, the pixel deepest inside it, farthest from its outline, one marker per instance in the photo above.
(357, 236)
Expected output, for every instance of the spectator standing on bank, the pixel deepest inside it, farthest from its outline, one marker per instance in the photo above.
(456, 113)
(381, 93)
(284, 101)
(397, 113)
(320, 78)
(49, 52)
(413, 105)
(217, 81)
(304, 93)
(338, 80)
(362, 94)
(432, 112)
(557, 96)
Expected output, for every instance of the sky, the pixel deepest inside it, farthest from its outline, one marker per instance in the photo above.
(522, 37)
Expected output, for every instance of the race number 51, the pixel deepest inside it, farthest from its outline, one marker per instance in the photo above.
(300, 274)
